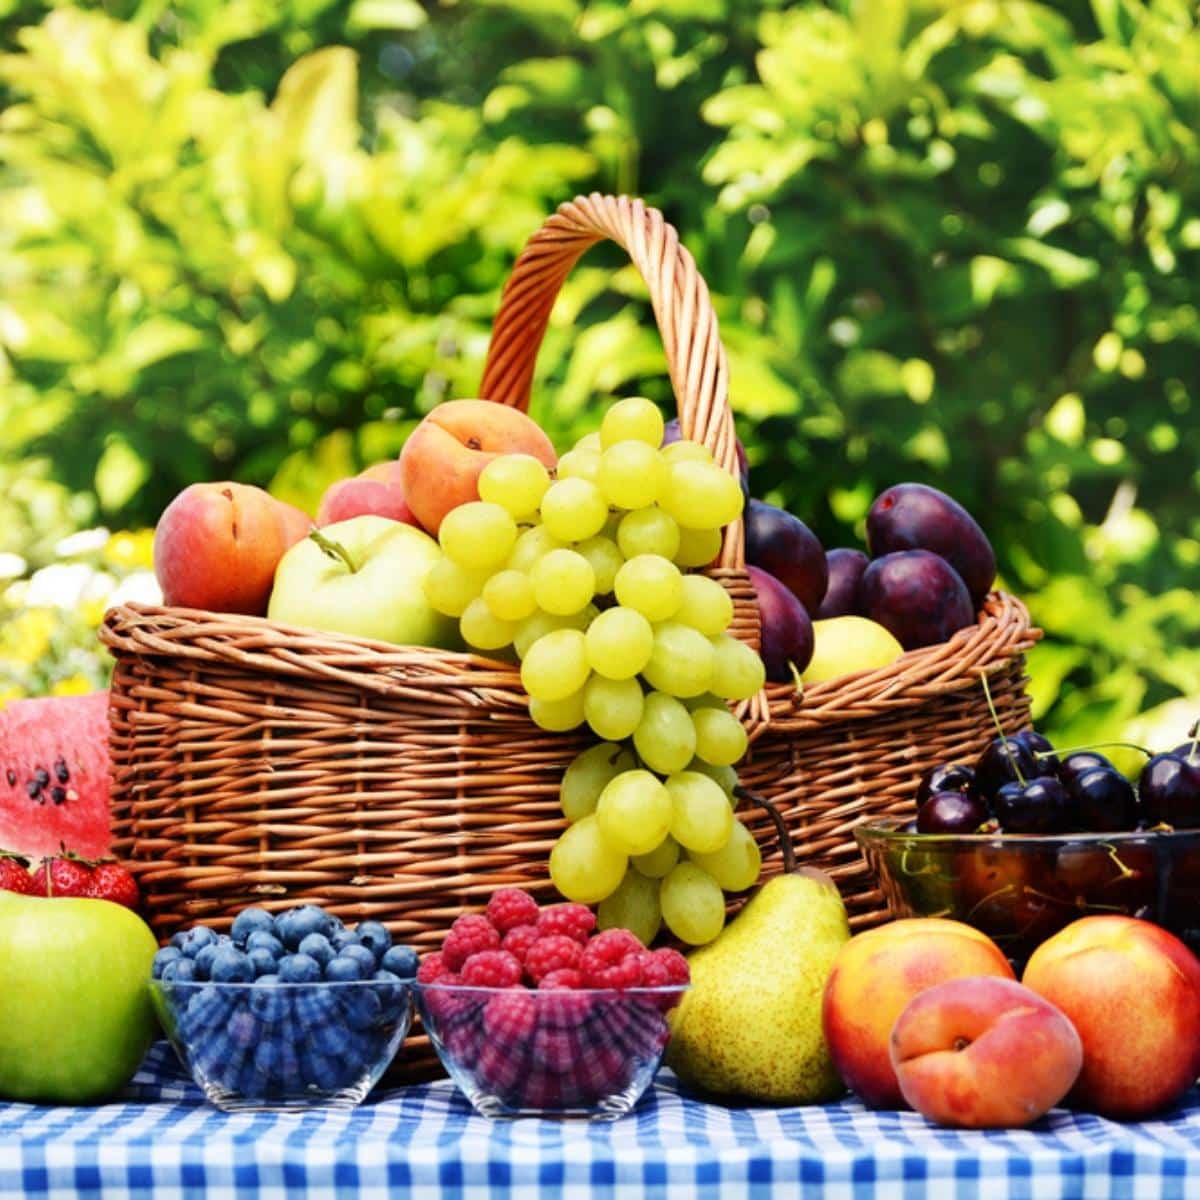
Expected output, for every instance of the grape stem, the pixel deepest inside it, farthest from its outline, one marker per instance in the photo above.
(1012, 761)
(785, 838)
(332, 548)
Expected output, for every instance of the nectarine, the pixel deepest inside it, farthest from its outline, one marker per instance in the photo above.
(876, 974)
(984, 1053)
(442, 458)
(359, 497)
(1132, 990)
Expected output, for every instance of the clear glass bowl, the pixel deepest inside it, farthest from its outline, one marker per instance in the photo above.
(1021, 888)
(556, 1053)
(267, 1046)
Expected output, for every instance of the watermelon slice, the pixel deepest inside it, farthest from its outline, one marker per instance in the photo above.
(54, 778)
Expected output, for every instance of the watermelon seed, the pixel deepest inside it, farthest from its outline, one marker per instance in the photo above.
(12, 777)
(42, 776)
(61, 772)
(33, 788)
(58, 795)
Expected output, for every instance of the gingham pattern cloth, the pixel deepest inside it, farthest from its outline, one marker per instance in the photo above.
(163, 1140)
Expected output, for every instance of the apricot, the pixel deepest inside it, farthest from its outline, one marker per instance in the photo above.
(362, 496)
(1132, 990)
(875, 976)
(216, 546)
(443, 456)
(984, 1053)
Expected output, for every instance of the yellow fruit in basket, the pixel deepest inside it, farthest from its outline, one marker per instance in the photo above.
(843, 645)
(364, 577)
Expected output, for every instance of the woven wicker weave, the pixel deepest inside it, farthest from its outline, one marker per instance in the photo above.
(258, 763)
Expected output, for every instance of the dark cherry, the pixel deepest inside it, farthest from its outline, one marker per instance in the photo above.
(1038, 806)
(1076, 764)
(1189, 752)
(1102, 801)
(951, 812)
(945, 777)
(1041, 749)
(1170, 791)
(1002, 763)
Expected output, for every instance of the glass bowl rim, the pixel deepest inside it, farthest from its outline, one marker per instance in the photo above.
(670, 989)
(276, 983)
(890, 830)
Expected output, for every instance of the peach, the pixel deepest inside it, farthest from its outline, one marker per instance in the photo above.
(216, 546)
(984, 1053)
(876, 974)
(1132, 990)
(359, 496)
(442, 458)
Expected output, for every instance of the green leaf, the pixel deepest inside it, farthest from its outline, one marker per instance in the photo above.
(120, 472)
(385, 14)
(317, 102)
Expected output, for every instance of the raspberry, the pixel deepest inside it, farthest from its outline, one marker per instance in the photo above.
(468, 935)
(14, 877)
(517, 941)
(433, 969)
(678, 971)
(551, 953)
(571, 920)
(563, 978)
(111, 881)
(510, 908)
(491, 968)
(655, 973)
(509, 1018)
(612, 959)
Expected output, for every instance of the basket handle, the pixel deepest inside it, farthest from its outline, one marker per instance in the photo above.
(695, 356)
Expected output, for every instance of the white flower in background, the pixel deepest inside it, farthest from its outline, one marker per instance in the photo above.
(12, 566)
(139, 588)
(67, 585)
(86, 541)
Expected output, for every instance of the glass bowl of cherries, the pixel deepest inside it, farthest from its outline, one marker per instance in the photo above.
(1025, 840)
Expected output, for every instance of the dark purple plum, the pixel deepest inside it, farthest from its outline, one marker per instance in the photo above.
(945, 777)
(1041, 749)
(1038, 806)
(1076, 764)
(843, 593)
(1102, 801)
(1003, 760)
(789, 550)
(1169, 788)
(951, 812)
(913, 516)
(787, 633)
(918, 596)
(672, 433)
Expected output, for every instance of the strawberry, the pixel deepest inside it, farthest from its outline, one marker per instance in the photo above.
(62, 877)
(111, 881)
(14, 877)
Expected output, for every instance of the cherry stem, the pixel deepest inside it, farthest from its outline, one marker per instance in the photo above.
(332, 548)
(1094, 746)
(1012, 760)
(785, 838)
(1194, 733)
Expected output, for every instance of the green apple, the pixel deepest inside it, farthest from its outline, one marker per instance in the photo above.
(75, 1010)
(364, 577)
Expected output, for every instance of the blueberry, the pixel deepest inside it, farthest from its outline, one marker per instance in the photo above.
(269, 1004)
(322, 1072)
(179, 940)
(299, 968)
(251, 920)
(362, 1007)
(179, 970)
(203, 960)
(375, 937)
(167, 954)
(209, 1009)
(401, 960)
(332, 1040)
(230, 965)
(260, 939)
(289, 1067)
(263, 962)
(317, 946)
(392, 994)
(296, 924)
(265, 1061)
(196, 939)
(362, 956)
(314, 1007)
(342, 938)
(243, 1029)
(343, 969)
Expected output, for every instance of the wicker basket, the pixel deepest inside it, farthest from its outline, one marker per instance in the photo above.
(261, 764)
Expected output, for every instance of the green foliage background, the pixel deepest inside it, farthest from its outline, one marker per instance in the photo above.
(949, 241)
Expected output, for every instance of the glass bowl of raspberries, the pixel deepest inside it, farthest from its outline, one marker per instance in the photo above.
(534, 1012)
(286, 1010)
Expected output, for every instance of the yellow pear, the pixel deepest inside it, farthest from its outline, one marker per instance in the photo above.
(750, 1024)
(843, 645)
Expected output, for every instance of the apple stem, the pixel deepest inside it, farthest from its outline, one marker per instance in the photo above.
(1012, 760)
(332, 548)
(785, 838)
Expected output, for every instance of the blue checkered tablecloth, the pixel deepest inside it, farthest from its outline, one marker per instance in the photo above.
(161, 1139)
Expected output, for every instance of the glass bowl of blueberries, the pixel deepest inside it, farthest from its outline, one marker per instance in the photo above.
(1026, 839)
(286, 1010)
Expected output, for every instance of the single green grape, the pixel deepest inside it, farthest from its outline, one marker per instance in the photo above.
(737, 671)
(449, 588)
(555, 665)
(725, 777)
(633, 906)
(574, 509)
(701, 817)
(720, 737)
(706, 606)
(633, 419)
(697, 547)
(612, 707)
(563, 582)
(481, 628)
(736, 865)
(648, 531)
(665, 738)
(509, 594)
(681, 662)
(517, 482)
(693, 906)
(589, 773)
(650, 583)
(660, 860)
(605, 558)
(580, 463)
(583, 866)
(557, 716)
(634, 812)
(701, 496)
(686, 451)
(631, 474)
(619, 643)
(533, 544)
(478, 535)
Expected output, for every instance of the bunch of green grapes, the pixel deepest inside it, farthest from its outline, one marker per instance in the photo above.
(585, 579)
